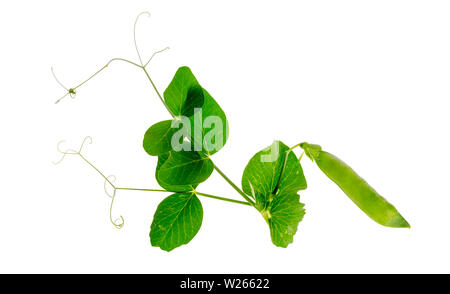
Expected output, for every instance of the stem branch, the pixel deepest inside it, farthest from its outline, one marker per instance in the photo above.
(157, 92)
(105, 66)
(196, 192)
(222, 198)
(138, 189)
(93, 166)
(250, 201)
(155, 190)
(72, 91)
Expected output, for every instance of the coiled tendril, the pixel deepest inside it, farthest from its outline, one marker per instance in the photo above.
(70, 151)
(119, 222)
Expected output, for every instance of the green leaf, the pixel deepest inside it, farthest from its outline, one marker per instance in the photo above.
(177, 220)
(209, 126)
(274, 179)
(184, 93)
(213, 125)
(157, 139)
(283, 217)
(185, 168)
(194, 100)
(262, 173)
(173, 188)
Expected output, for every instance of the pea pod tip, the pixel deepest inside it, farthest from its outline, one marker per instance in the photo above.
(399, 222)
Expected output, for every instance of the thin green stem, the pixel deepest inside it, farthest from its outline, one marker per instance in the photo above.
(295, 146)
(301, 156)
(250, 201)
(119, 225)
(138, 189)
(157, 92)
(215, 167)
(93, 166)
(105, 66)
(222, 198)
(72, 91)
(196, 192)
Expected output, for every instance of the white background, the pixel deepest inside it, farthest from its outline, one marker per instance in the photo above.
(367, 80)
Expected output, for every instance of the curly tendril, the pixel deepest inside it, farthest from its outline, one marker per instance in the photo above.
(88, 140)
(135, 42)
(109, 180)
(118, 223)
(64, 153)
(153, 55)
(61, 84)
(71, 151)
(134, 33)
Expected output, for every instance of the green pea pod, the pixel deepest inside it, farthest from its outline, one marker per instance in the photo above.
(356, 188)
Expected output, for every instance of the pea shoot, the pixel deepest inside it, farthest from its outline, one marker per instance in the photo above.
(184, 146)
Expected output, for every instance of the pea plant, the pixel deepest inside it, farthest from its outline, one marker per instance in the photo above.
(184, 146)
